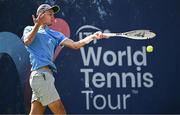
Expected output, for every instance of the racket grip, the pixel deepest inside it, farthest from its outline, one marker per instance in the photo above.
(109, 34)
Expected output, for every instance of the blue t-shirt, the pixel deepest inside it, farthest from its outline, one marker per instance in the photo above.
(43, 47)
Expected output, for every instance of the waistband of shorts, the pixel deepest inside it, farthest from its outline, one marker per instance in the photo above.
(43, 69)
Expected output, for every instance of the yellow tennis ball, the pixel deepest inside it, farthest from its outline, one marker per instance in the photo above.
(149, 48)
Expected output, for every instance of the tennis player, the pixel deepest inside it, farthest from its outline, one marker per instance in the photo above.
(40, 42)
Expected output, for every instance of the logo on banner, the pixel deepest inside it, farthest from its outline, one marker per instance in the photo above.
(109, 88)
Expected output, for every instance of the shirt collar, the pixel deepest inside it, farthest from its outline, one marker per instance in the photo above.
(46, 28)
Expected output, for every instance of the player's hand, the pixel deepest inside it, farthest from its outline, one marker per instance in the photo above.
(99, 35)
(39, 19)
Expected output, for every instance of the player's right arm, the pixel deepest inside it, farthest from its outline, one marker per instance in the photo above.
(78, 44)
(30, 36)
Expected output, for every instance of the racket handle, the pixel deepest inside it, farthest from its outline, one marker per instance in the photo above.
(110, 34)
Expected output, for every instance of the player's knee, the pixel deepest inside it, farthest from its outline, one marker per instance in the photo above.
(57, 107)
(63, 112)
(60, 111)
(32, 112)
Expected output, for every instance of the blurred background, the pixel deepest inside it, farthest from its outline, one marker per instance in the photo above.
(110, 76)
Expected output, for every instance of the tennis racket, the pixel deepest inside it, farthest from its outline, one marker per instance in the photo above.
(135, 34)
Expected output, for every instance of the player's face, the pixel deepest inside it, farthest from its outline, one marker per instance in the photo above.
(49, 17)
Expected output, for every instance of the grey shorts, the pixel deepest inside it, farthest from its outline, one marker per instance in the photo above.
(43, 88)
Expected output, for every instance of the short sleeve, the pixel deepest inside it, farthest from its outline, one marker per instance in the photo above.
(27, 29)
(61, 38)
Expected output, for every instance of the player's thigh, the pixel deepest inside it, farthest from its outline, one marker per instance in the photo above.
(57, 107)
(36, 108)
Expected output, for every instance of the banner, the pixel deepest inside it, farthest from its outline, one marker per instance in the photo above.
(108, 76)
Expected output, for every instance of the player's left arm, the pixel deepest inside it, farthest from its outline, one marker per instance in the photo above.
(78, 44)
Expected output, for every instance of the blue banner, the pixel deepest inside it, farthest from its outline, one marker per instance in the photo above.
(108, 76)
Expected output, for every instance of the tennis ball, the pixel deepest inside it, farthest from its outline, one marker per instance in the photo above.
(149, 48)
